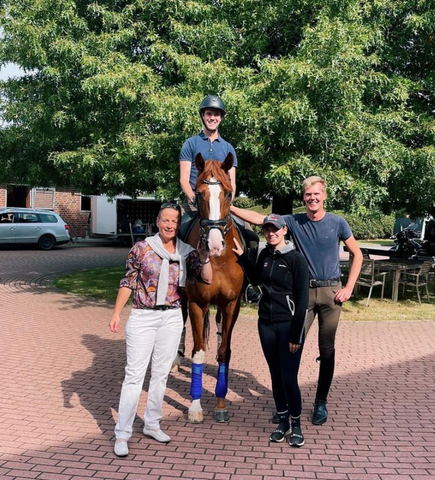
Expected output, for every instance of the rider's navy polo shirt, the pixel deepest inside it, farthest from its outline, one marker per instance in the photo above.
(217, 150)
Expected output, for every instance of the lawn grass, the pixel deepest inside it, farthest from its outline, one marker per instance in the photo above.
(383, 242)
(102, 284)
(98, 283)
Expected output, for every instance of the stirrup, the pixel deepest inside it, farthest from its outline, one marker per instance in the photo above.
(253, 294)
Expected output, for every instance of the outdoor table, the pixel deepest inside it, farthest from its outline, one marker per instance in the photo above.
(385, 252)
(397, 265)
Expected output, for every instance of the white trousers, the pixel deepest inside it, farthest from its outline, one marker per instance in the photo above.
(155, 335)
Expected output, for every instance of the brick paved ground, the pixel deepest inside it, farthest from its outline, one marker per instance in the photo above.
(61, 371)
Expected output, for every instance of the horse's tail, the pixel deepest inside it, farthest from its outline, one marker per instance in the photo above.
(206, 328)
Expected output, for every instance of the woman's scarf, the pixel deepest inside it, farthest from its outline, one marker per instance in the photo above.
(182, 250)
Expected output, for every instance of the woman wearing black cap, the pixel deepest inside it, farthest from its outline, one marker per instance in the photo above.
(283, 275)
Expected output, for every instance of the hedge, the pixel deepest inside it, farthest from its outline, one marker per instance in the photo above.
(369, 227)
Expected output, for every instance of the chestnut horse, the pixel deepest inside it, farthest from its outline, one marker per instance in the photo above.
(215, 228)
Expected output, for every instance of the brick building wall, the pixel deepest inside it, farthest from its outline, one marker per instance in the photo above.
(3, 196)
(68, 204)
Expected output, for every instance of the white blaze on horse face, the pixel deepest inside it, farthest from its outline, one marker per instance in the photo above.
(215, 206)
(215, 238)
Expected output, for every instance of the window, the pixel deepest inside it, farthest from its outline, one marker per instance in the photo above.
(6, 218)
(48, 218)
(28, 218)
(42, 197)
(85, 204)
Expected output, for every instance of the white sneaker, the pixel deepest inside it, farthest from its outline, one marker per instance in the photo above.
(121, 447)
(157, 435)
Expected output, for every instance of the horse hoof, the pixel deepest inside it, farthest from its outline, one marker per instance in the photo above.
(195, 417)
(221, 416)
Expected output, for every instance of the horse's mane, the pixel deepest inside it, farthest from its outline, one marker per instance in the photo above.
(212, 168)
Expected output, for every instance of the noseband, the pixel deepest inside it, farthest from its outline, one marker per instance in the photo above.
(206, 225)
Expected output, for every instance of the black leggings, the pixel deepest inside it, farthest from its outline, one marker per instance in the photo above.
(283, 366)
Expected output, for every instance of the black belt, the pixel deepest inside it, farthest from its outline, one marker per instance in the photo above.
(324, 283)
(160, 307)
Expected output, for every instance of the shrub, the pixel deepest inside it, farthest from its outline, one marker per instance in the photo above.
(243, 202)
(371, 226)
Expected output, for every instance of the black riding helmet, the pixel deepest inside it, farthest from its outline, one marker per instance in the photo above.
(212, 101)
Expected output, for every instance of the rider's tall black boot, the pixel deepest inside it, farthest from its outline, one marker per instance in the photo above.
(252, 295)
(180, 351)
(326, 374)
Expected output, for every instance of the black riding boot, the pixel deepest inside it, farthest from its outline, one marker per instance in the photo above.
(182, 344)
(252, 294)
(326, 374)
(180, 352)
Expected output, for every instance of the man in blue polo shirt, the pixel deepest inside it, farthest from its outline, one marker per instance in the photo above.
(317, 235)
(211, 146)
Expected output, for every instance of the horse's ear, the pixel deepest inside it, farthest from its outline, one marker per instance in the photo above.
(227, 164)
(200, 163)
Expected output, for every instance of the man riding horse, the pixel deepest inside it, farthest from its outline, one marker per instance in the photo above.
(211, 146)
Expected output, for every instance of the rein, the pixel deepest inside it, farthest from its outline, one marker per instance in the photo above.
(211, 182)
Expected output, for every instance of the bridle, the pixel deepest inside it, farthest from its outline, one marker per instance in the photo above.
(206, 225)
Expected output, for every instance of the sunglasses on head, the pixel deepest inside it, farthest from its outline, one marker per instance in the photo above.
(172, 205)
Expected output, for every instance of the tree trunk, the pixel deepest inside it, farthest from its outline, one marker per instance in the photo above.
(282, 205)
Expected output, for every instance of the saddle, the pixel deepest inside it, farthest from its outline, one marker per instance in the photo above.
(188, 221)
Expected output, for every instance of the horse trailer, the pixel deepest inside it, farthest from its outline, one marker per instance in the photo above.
(123, 218)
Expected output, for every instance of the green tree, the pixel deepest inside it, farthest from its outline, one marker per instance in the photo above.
(338, 88)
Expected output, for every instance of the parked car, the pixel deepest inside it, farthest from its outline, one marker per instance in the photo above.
(44, 228)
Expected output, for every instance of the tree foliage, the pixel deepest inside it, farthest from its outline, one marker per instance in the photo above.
(338, 88)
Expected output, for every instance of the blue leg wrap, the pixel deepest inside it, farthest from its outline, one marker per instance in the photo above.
(196, 384)
(222, 380)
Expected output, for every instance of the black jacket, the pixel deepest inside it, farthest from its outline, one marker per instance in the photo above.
(283, 275)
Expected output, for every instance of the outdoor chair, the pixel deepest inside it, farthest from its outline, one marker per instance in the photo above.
(368, 277)
(417, 279)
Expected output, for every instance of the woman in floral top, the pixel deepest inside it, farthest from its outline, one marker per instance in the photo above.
(157, 269)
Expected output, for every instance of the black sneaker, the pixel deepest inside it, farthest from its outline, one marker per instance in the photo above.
(320, 412)
(275, 417)
(296, 438)
(280, 432)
